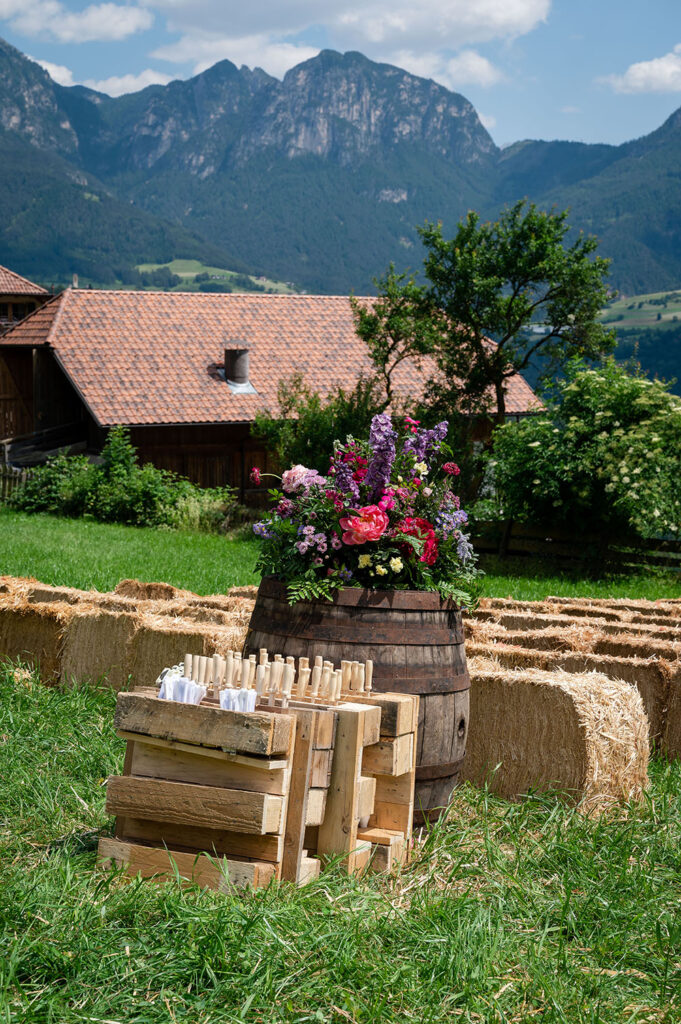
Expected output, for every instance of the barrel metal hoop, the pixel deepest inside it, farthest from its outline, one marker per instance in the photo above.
(430, 772)
(443, 685)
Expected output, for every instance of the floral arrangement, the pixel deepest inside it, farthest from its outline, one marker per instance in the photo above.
(385, 517)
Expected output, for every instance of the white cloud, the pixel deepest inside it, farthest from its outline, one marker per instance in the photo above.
(570, 110)
(488, 121)
(203, 49)
(118, 85)
(57, 72)
(423, 36)
(106, 21)
(661, 74)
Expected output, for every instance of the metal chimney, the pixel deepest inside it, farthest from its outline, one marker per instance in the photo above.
(237, 369)
(236, 365)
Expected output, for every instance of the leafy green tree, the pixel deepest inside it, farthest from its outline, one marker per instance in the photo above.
(307, 425)
(604, 456)
(515, 281)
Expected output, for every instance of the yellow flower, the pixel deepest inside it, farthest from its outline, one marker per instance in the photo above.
(364, 561)
(381, 570)
(421, 468)
(396, 564)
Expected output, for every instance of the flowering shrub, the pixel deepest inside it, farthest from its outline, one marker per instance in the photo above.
(384, 517)
(605, 456)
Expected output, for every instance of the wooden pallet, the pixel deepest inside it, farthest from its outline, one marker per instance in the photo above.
(223, 797)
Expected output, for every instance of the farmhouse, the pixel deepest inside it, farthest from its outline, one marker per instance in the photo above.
(186, 372)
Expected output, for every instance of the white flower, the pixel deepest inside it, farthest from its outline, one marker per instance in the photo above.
(656, 512)
(625, 479)
(536, 482)
(396, 564)
(427, 491)
(381, 570)
(534, 444)
(421, 468)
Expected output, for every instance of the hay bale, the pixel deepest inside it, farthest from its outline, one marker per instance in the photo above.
(553, 607)
(149, 591)
(651, 677)
(97, 646)
(34, 634)
(671, 740)
(585, 735)
(530, 620)
(161, 641)
(626, 645)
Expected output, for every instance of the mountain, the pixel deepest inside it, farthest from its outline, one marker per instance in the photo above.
(318, 179)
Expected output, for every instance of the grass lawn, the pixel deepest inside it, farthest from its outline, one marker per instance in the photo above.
(510, 913)
(85, 554)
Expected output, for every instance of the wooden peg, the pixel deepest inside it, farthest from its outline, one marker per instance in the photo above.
(326, 679)
(260, 677)
(263, 656)
(245, 673)
(346, 672)
(303, 682)
(227, 677)
(369, 676)
(252, 661)
(316, 679)
(303, 663)
(360, 677)
(187, 666)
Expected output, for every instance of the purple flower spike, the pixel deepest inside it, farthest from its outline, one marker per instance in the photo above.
(343, 481)
(382, 439)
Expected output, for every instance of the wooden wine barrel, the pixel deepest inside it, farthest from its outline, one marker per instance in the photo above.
(415, 641)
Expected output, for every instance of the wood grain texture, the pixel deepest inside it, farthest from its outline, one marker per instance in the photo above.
(338, 831)
(150, 862)
(204, 806)
(174, 765)
(263, 764)
(415, 641)
(301, 770)
(316, 806)
(367, 796)
(389, 756)
(204, 725)
(214, 841)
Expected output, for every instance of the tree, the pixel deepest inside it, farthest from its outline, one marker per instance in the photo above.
(513, 281)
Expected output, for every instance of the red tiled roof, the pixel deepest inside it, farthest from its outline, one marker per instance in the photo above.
(14, 284)
(152, 357)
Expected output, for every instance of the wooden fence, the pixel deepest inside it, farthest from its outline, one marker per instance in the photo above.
(11, 479)
(528, 540)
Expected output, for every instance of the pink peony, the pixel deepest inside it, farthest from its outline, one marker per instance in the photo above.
(300, 478)
(370, 523)
(451, 469)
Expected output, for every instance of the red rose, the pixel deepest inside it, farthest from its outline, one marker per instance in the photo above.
(451, 469)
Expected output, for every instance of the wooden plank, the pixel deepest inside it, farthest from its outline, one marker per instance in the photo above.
(263, 764)
(386, 857)
(389, 756)
(380, 836)
(320, 769)
(367, 795)
(178, 766)
(316, 806)
(361, 857)
(394, 802)
(204, 725)
(397, 711)
(204, 806)
(213, 841)
(325, 730)
(338, 831)
(294, 834)
(309, 870)
(151, 862)
(119, 824)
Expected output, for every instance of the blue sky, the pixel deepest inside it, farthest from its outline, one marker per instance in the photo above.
(590, 70)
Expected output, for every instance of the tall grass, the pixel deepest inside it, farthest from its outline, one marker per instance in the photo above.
(509, 913)
(82, 553)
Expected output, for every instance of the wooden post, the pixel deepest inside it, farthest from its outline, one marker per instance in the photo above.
(338, 832)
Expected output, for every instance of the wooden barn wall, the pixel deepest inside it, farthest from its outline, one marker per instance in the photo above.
(16, 393)
(211, 455)
(56, 401)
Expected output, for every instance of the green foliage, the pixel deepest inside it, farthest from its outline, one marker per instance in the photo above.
(605, 456)
(510, 911)
(121, 491)
(305, 431)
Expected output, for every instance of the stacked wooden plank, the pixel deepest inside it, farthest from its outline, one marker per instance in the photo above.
(225, 797)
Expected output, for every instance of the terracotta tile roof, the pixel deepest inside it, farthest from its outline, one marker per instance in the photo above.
(152, 357)
(14, 284)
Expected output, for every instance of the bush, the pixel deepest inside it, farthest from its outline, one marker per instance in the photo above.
(305, 431)
(122, 491)
(604, 456)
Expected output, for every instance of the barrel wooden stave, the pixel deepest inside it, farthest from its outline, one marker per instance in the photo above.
(415, 641)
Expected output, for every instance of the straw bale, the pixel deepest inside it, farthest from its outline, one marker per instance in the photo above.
(507, 604)
(530, 620)
(671, 741)
(161, 641)
(583, 734)
(627, 645)
(668, 605)
(34, 634)
(149, 591)
(97, 646)
(568, 637)
(651, 677)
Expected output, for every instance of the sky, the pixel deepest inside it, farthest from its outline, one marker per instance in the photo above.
(586, 70)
